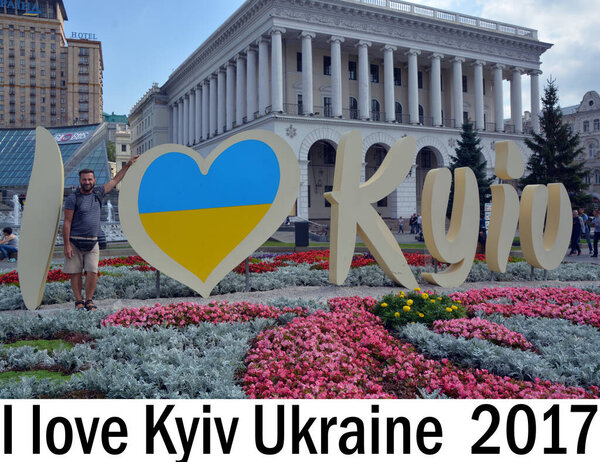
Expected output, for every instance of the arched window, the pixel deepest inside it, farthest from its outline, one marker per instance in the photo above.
(353, 108)
(375, 114)
(398, 109)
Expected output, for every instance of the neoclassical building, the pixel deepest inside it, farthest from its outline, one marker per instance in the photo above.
(312, 70)
(584, 119)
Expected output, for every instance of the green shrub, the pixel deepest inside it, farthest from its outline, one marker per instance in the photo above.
(425, 307)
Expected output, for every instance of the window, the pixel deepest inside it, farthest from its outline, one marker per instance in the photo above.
(397, 76)
(592, 151)
(596, 124)
(586, 126)
(597, 176)
(420, 79)
(484, 86)
(464, 84)
(353, 108)
(327, 111)
(300, 105)
(326, 65)
(352, 70)
(398, 110)
(298, 62)
(375, 114)
(374, 73)
(123, 148)
(465, 117)
(421, 115)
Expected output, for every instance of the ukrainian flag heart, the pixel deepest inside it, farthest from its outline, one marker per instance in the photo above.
(196, 218)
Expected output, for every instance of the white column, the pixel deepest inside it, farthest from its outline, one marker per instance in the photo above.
(364, 84)
(457, 91)
(388, 83)
(413, 86)
(276, 69)
(240, 90)
(198, 127)
(192, 121)
(213, 105)
(336, 75)
(535, 100)
(307, 73)
(180, 122)
(263, 75)
(251, 84)
(230, 97)
(435, 92)
(498, 98)
(174, 120)
(516, 100)
(478, 88)
(186, 119)
(221, 100)
(205, 110)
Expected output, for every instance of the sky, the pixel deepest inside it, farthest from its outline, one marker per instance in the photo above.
(144, 41)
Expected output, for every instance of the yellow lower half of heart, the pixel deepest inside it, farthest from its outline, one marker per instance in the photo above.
(200, 239)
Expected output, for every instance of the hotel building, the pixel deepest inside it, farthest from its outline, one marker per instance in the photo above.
(312, 70)
(45, 78)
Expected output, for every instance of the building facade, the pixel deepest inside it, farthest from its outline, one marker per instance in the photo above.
(312, 70)
(584, 119)
(45, 78)
(149, 121)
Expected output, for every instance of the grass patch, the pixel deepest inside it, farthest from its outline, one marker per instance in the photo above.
(41, 374)
(48, 345)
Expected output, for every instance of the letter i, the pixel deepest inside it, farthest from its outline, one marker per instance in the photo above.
(206, 430)
(8, 429)
(505, 206)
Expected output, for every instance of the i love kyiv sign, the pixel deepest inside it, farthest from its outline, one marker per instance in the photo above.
(196, 218)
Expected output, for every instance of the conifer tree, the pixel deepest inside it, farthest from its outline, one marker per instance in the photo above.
(469, 154)
(555, 151)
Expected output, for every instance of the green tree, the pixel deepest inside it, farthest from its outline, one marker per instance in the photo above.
(469, 154)
(111, 151)
(555, 151)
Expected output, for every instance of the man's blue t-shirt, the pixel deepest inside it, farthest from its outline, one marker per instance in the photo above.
(86, 219)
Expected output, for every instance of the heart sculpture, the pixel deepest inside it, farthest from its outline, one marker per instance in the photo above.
(195, 218)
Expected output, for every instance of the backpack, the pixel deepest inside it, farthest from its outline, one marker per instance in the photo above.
(101, 235)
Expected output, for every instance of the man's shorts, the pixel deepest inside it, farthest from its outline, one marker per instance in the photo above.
(82, 261)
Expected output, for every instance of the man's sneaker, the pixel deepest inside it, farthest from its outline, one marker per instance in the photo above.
(12, 260)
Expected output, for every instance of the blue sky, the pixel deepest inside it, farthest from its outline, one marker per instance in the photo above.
(143, 41)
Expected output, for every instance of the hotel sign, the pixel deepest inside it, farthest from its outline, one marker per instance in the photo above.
(83, 36)
(25, 8)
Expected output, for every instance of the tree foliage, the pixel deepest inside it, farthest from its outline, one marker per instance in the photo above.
(469, 154)
(555, 151)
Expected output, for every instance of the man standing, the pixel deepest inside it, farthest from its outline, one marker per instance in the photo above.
(596, 225)
(585, 231)
(576, 233)
(81, 228)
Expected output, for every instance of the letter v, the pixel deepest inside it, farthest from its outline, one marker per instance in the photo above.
(351, 209)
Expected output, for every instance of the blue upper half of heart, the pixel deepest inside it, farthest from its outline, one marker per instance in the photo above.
(246, 173)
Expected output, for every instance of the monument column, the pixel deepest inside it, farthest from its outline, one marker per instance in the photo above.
(251, 84)
(174, 121)
(186, 119)
(276, 69)
(388, 83)
(213, 105)
(457, 91)
(240, 90)
(221, 78)
(479, 109)
(198, 127)
(336, 75)
(263, 75)
(192, 121)
(535, 100)
(498, 97)
(307, 73)
(364, 84)
(230, 96)
(516, 100)
(413, 86)
(435, 92)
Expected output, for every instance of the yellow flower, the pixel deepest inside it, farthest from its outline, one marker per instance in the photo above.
(425, 296)
(449, 310)
(431, 301)
(417, 289)
(384, 305)
(421, 315)
(397, 314)
(401, 294)
(406, 308)
(409, 302)
(439, 298)
(454, 307)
